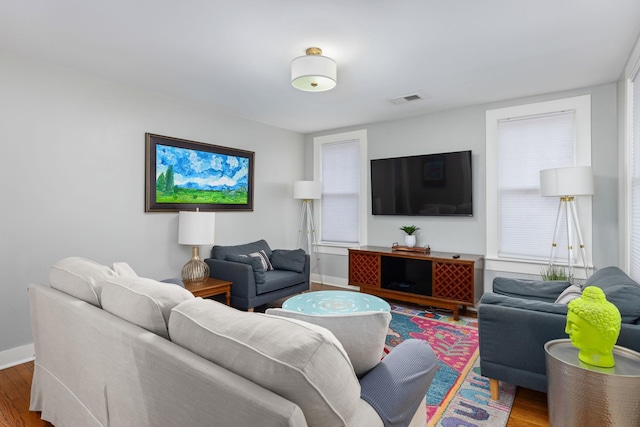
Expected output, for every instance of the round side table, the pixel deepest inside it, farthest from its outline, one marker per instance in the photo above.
(583, 395)
(335, 302)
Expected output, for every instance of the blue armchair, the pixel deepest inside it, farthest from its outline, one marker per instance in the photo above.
(520, 316)
(254, 285)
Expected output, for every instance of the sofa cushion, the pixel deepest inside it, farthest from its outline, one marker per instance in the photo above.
(529, 289)
(278, 279)
(292, 260)
(143, 302)
(255, 263)
(264, 259)
(523, 303)
(80, 278)
(221, 252)
(362, 334)
(569, 294)
(124, 269)
(620, 290)
(302, 362)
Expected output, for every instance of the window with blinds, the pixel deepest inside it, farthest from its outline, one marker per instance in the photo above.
(527, 145)
(634, 239)
(340, 212)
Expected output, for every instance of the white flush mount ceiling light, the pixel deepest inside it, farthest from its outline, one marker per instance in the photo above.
(314, 72)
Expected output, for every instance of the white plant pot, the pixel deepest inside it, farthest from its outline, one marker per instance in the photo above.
(410, 240)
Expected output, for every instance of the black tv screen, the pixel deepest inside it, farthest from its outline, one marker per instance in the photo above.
(426, 185)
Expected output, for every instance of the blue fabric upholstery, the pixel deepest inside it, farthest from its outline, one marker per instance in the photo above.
(221, 252)
(538, 290)
(620, 290)
(246, 293)
(255, 263)
(514, 328)
(397, 385)
(292, 260)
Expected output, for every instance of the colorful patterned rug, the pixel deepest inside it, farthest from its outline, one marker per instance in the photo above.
(459, 395)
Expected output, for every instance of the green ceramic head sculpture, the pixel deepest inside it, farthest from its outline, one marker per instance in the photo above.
(593, 324)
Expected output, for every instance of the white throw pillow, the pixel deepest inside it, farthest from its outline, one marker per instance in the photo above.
(302, 362)
(80, 277)
(362, 334)
(143, 302)
(572, 292)
(124, 269)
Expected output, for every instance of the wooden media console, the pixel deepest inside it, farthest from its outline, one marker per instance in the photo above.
(435, 279)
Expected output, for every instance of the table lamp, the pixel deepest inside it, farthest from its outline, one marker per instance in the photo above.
(195, 229)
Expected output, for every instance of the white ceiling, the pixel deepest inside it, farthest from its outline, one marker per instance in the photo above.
(235, 55)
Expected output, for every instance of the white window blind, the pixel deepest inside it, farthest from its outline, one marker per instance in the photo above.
(340, 192)
(634, 268)
(526, 220)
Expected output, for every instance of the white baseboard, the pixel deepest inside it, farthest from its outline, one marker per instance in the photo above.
(16, 356)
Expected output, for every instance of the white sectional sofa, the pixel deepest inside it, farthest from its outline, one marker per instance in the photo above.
(114, 349)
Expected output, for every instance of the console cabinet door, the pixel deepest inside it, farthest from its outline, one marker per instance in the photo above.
(364, 269)
(453, 280)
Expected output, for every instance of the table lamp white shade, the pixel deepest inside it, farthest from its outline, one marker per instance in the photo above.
(307, 190)
(196, 228)
(569, 181)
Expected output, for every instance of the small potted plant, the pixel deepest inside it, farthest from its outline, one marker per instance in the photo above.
(410, 238)
(554, 272)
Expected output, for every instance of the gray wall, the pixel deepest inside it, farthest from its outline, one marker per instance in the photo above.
(464, 129)
(72, 174)
(72, 158)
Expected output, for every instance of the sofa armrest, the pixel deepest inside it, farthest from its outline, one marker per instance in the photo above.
(397, 385)
(513, 331)
(529, 289)
(241, 275)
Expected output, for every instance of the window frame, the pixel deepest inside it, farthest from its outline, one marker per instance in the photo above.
(632, 70)
(360, 135)
(582, 107)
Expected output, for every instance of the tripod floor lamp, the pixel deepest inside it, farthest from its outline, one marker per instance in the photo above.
(567, 183)
(307, 191)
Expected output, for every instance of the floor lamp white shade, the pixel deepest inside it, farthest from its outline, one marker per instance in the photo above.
(570, 181)
(566, 183)
(307, 190)
(196, 229)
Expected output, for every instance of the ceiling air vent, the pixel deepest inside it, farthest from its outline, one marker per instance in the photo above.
(406, 98)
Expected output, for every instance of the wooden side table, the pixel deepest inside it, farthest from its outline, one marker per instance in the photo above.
(210, 287)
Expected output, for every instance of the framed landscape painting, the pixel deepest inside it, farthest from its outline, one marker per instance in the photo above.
(185, 175)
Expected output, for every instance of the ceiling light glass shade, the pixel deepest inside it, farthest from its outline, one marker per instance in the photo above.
(307, 190)
(314, 73)
(571, 181)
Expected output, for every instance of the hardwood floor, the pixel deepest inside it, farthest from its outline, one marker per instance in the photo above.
(15, 390)
(529, 408)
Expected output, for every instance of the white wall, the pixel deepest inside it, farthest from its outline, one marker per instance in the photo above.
(464, 129)
(72, 154)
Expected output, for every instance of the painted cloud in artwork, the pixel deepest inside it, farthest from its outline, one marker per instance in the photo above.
(202, 170)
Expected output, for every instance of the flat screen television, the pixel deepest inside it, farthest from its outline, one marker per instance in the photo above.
(425, 185)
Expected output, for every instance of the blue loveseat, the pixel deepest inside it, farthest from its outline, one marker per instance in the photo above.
(254, 285)
(520, 316)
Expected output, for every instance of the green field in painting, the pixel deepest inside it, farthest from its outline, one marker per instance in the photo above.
(189, 195)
